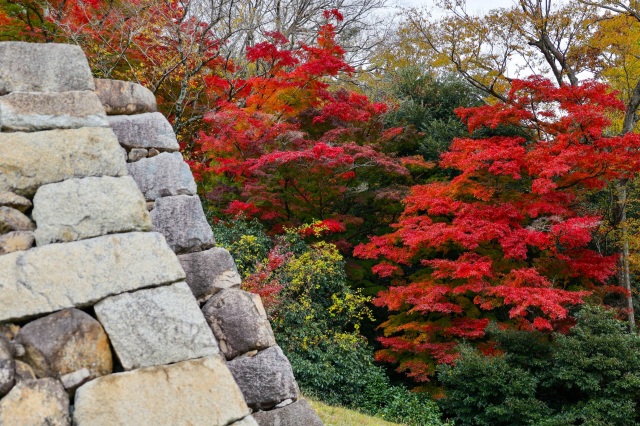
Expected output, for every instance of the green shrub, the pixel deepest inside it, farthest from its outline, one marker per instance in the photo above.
(316, 318)
(591, 376)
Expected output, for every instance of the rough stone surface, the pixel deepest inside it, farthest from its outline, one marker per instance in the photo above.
(83, 208)
(65, 342)
(149, 130)
(50, 67)
(137, 154)
(153, 152)
(9, 330)
(182, 222)
(248, 421)
(239, 322)
(164, 175)
(33, 111)
(198, 393)
(24, 371)
(35, 403)
(210, 271)
(265, 379)
(15, 201)
(14, 220)
(29, 160)
(72, 381)
(7, 367)
(125, 97)
(296, 414)
(47, 279)
(156, 326)
(16, 241)
(285, 403)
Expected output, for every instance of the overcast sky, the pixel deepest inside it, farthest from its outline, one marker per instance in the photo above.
(473, 6)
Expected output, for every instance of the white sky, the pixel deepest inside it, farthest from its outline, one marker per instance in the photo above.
(473, 6)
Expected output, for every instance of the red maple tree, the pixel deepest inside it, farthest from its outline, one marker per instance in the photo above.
(285, 148)
(507, 239)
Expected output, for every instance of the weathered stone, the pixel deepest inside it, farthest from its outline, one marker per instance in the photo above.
(125, 97)
(164, 175)
(72, 381)
(182, 222)
(16, 241)
(15, 201)
(239, 322)
(156, 326)
(265, 379)
(83, 208)
(57, 276)
(137, 154)
(65, 342)
(7, 367)
(296, 414)
(50, 67)
(198, 393)
(153, 152)
(149, 130)
(285, 403)
(210, 271)
(9, 330)
(18, 349)
(150, 205)
(14, 220)
(33, 111)
(35, 403)
(24, 371)
(29, 160)
(247, 421)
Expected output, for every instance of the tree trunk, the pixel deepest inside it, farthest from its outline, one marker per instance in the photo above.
(624, 275)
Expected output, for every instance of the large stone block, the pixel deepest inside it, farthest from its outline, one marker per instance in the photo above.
(198, 393)
(164, 175)
(209, 272)
(35, 403)
(239, 322)
(149, 130)
(65, 342)
(125, 97)
(265, 379)
(156, 326)
(40, 67)
(82, 208)
(33, 111)
(29, 160)
(182, 222)
(296, 414)
(47, 279)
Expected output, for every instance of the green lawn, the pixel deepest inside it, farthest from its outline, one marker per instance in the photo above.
(338, 416)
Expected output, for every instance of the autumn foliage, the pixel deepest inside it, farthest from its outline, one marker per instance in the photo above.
(508, 239)
(282, 147)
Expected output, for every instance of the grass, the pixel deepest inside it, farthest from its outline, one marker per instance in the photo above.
(338, 416)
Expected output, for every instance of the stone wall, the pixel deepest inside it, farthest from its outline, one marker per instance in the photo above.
(116, 308)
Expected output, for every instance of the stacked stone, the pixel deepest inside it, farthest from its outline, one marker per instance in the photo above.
(237, 318)
(83, 277)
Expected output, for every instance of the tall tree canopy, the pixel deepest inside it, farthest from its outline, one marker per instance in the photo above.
(508, 238)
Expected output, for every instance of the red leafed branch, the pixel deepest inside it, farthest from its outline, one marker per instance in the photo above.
(287, 149)
(505, 240)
